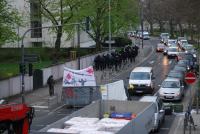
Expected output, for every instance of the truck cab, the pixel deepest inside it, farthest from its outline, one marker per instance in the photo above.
(159, 114)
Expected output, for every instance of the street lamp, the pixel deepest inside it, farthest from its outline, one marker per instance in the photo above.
(142, 19)
(109, 22)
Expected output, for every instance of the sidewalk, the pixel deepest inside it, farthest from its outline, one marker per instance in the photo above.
(177, 127)
(40, 98)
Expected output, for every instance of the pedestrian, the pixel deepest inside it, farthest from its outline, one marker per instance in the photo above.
(51, 83)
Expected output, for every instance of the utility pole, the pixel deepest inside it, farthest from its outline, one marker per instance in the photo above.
(109, 21)
(142, 19)
(197, 94)
(78, 42)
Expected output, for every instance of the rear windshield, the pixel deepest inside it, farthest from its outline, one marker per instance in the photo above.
(172, 42)
(140, 76)
(175, 75)
(172, 50)
(171, 84)
(164, 34)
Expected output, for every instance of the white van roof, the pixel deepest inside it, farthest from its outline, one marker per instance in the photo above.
(142, 69)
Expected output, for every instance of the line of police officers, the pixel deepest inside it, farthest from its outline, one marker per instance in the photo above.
(116, 58)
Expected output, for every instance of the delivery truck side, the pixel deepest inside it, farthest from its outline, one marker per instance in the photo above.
(142, 123)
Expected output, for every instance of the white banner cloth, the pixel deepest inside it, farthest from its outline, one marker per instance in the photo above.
(79, 78)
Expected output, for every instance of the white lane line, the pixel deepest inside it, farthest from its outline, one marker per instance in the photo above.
(164, 128)
(178, 125)
(151, 62)
(42, 107)
(156, 93)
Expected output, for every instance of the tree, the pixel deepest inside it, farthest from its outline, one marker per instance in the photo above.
(123, 14)
(9, 18)
(58, 12)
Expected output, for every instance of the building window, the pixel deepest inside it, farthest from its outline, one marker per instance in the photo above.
(36, 19)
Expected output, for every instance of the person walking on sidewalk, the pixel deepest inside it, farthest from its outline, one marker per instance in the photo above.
(51, 83)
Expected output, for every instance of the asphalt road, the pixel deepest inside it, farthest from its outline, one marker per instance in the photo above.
(161, 66)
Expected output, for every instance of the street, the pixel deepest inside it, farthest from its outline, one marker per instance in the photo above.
(161, 66)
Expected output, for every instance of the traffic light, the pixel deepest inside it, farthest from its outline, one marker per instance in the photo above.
(87, 23)
(30, 69)
(22, 68)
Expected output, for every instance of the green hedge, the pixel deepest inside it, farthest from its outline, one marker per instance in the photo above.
(11, 57)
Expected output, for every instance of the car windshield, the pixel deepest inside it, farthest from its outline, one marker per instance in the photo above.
(175, 75)
(160, 45)
(172, 49)
(179, 68)
(184, 42)
(164, 34)
(140, 76)
(170, 84)
(172, 42)
(189, 47)
(182, 63)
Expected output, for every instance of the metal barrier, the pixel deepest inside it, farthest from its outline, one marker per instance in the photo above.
(79, 96)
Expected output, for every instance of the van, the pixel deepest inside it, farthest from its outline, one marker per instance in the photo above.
(159, 112)
(141, 80)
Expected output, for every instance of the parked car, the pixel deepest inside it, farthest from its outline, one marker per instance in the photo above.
(182, 43)
(171, 89)
(160, 47)
(190, 49)
(187, 56)
(176, 74)
(180, 68)
(159, 110)
(141, 80)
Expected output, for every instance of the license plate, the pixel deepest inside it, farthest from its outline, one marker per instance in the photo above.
(139, 91)
(169, 97)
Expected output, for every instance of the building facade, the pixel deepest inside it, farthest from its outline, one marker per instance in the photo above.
(30, 12)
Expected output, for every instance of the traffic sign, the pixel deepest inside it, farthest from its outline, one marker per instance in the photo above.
(30, 58)
(190, 78)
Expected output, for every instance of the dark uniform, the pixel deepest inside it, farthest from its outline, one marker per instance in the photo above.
(51, 82)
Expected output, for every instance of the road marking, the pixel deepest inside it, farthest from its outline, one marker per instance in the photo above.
(38, 103)
(164, 128)
(56, 109)
(151, 62)
(42, 107)
(156, 93)
(179, 123)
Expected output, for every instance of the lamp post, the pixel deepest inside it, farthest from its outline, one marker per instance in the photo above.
(109, 22)
(142, 19)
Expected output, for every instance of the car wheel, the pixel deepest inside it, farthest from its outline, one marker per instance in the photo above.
(158, 128)
(163, 120)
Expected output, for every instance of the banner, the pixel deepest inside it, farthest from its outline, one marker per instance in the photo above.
(79, 78)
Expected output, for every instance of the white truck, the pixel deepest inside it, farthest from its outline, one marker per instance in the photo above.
(142, 123)
(159, 113)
